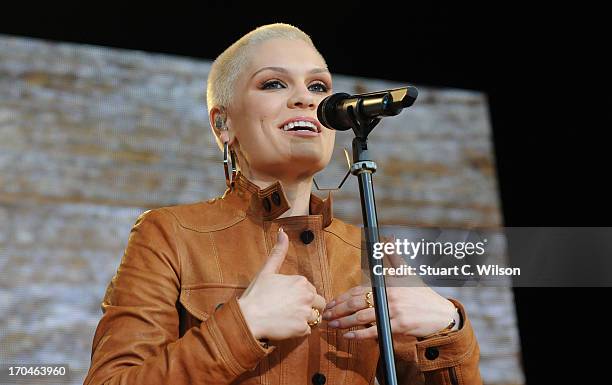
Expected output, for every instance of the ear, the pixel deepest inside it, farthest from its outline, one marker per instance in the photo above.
(220, 124)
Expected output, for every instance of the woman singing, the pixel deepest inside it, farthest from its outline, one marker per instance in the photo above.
(263, 285)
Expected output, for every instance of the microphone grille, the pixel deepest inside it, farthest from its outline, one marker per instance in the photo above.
(326, 112)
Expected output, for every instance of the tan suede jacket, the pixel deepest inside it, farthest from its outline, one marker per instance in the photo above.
(171, 316)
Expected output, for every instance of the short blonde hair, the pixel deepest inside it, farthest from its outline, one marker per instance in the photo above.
(229, 64)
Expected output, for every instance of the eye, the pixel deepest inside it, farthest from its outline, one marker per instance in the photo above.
(272, 84)
(318, 87)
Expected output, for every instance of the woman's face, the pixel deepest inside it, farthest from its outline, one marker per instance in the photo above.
(280, 87)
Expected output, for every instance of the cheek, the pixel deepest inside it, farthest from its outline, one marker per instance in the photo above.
(263, 107)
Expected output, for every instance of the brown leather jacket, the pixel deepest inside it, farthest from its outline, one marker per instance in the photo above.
(171, 314)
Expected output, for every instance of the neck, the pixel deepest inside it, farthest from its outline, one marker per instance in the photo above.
(296, 188)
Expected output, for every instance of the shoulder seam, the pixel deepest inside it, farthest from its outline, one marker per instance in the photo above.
(178, 254)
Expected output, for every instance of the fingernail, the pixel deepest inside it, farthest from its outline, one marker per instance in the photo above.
(327, 315)
(349, 335)
(280, 229)
(330, 304)
(334, 324)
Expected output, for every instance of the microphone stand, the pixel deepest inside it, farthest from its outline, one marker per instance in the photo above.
(364, 168)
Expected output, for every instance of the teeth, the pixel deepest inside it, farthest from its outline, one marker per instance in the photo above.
(300, 123)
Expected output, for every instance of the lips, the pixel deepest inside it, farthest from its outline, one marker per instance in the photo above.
(301, 124)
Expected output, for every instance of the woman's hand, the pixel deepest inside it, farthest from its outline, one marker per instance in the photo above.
(416, 311)
(278, 306)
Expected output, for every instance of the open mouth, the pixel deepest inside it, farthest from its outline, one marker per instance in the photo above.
(301, 125)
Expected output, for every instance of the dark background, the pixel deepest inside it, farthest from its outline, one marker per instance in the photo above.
(545, 75)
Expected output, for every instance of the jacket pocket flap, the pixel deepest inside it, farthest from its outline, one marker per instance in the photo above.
(201, 301)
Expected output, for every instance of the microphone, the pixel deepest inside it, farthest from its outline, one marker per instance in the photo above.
(340, 111)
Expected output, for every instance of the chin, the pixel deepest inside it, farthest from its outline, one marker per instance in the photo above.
(314, 161)
(304, 167)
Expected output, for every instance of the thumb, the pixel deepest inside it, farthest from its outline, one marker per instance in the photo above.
(277, 255)
(394, 259)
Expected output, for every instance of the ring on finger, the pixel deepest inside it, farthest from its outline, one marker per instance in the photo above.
(317, 318)
(368, 299)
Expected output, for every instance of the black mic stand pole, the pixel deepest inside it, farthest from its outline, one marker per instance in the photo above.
(363, 167)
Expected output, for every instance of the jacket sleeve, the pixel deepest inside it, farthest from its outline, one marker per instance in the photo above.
(445, 360)
(137, 339)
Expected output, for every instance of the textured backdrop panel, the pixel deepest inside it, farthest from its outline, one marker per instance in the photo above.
(90, 137)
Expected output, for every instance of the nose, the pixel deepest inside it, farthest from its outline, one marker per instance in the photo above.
(301, 98)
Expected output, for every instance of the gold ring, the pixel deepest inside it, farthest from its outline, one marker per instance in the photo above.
(368, 299)
(315, 322)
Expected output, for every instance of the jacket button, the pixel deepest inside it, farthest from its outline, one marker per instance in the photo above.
(266, 204)
(431, 353)
(276, 198)
(307, 236)
(318, 379)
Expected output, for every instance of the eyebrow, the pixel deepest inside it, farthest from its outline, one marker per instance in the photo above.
(284, 70)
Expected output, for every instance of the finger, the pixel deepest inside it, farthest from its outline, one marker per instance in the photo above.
(319, 303)
(352, 305)
(277, 255)
(307, 330)
(397, 260)
(394, 259)
(362, 334)
(309, 285)
(346, 308)
(362, 317)
(347, 295)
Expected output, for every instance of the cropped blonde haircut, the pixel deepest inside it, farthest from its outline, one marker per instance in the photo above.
(230, 63)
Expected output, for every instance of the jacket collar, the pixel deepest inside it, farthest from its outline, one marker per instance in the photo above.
(271, 202)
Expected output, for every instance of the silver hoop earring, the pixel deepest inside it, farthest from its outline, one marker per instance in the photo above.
(348, 172)
(229, 165)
